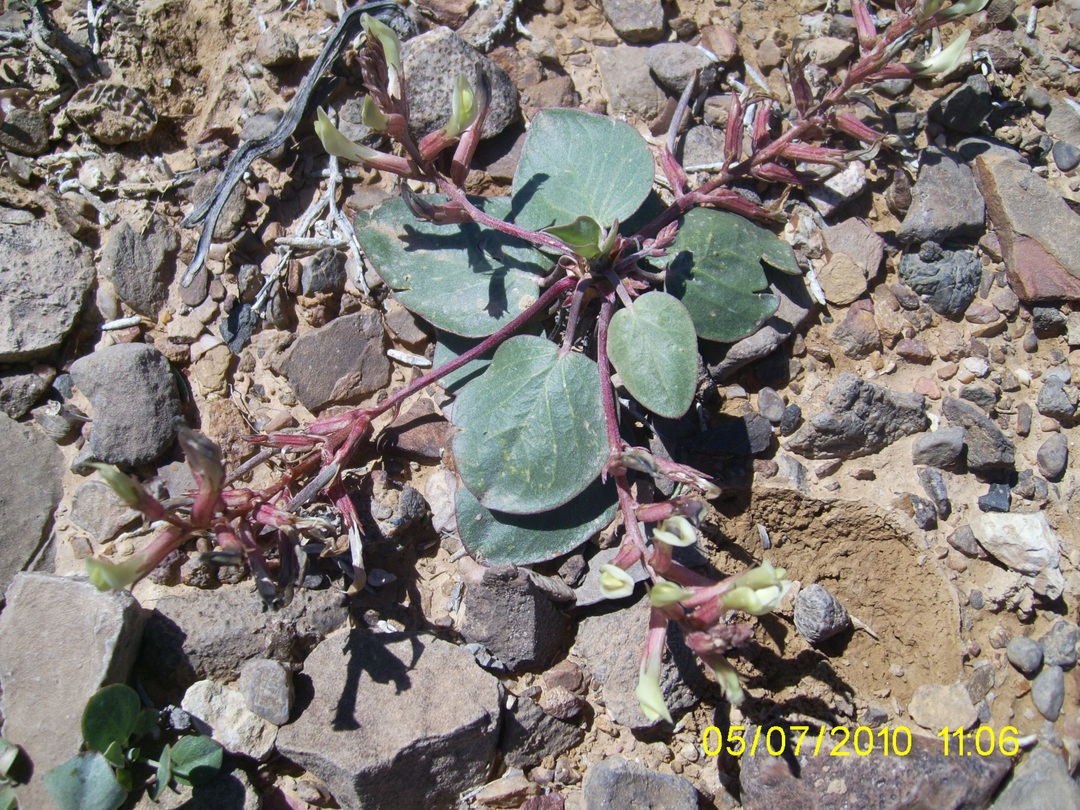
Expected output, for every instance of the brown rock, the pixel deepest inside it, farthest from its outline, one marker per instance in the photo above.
(421, 433)
(557, 91)
(721, 41)
(927, 387)
(857, 335)
(914, 351)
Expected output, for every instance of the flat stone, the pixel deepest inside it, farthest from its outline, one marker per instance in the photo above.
(276, 47)
(721, 41)
(947, 280)
(635, 20)
(1059, 644)
(963, 540)
(860, 418)
(840, 190)
(1053, 456)
(939, 448)
(997, 499)
(914, 351)
(987, 447)
(675, 63)
(529, 734)
(61, 639)
(829, 52)
(402, 324)
(133, 396)
(45, 276)
(1066, 156)
(96, 509)
(734, 436)
(421, 433)
(855, 245)
(344, 360)
(1042, 780)
(25, 131)
(702, 146)
(139, 264)
(923, 778)
(857, 335)
(432, 62)
(934, 706)
(1057, 400)
(1025, 654)
(616, 784)
(267, 687)
(324, 272)
(770, 405)
(966, 108)
(628, 82)
(1023, 542)
(933, 484)
(1048, 692)
(393, 721)
(222, 713)
(945, 202)
(21, 387)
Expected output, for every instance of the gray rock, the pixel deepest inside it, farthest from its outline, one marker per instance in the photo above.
(139, 264)
(946, 279)
(61, 639)
(30, 489)
(131, 390)
(324, 272)
(1048, 692)
(1059, 645)
(343, 360)
(856, 258)
(229, 789)
(675, 63)
(1025, 654)
(987, 447)
(840, 190)
(945, 203)
(513, 619)
(963, 540)
(934, 706)
(966, 108)
(939, 448)
(734, 436)
(628, 83)
(635, 20)
(1058, 400)
(1066, 156)
(394, 721)
(1041, 781)
(791, 419)
(588, 592)
(228, 224)
(860, 418)
(21, 387)
(997, 499)
(1053, 456)
(819, 615)
(95, 508)
(610, 647)
(702, 145)
(617, 784)
(770, 405)
(978, 395)
(25, 131)
(44, 278)
(267, 687)
(529, 734)
(222, 713)
(1022, 541)
(403, 324)
(933, 484)
(432, 61)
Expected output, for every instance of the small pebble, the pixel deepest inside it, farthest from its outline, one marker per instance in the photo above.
(1048, 692)
(998, 499)
(1066, 156)
(1025, 654)
(1053, 456)
(1059, 645)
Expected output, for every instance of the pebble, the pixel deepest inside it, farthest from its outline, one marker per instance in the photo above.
(987, 447)
(628, 82)
(935, 706)
(1048, 692)
(1041, 780)
(1023, 419)
(819, 615)
(913, 350)
(267, 687)
(225, 716)
(997, 499)
(839, 190)
(1058, 400)
(1066, 156)
(1025, 654)
(138, 263)
(791, 419)
(276, 48)
(675, 63)
(1049, 321)
(1053, 456)
(1059, 644)
(964, 110)
(857, 335)
(770, 405)
(324, 272)
(947, 280)
(939, 448)
(963, 540)
(933, 484)
(1023, 542)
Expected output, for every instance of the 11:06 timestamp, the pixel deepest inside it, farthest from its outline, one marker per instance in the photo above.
(984, 739)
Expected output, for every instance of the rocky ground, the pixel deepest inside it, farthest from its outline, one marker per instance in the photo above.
(897, 436)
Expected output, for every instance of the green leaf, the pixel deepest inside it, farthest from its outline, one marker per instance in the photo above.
(449, 347)
(531, 429)
(8, 800)
(146, 722)
(716, 269)
(164, 773)
(9, 753)
(576, 164)
(653, 346)
(110, 717)
(584, 234)
(495, 538)
(85, 782)
(196, 760)
(114, 754)
(464, 279)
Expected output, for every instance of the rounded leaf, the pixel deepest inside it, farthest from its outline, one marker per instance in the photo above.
(577, 164)
(531, 429)
(85, 782)
(110, 717)
(653, 346)
(195, 760)
(496, 538)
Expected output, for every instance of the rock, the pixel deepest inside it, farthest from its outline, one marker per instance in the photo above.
(276, 48)
(702, 146)
(1057, 400)
(25, 131)
(1024, 654)
(588, 591)
(21, 387)
(421, 433)
(635, 20)
(402, 324)
(237, 327)
(675, 63)
(840, 190)
(856, 257)
(140, 265)
(512, 618)
(509, 791)
(609, 645)
(267, 687)
(1023, 542)
(1042, 780)
(987, 447)
(966, 108)
(30, 490)
(945, 202)
(923, 778)
(939, 448)
(934, 706)
(914, 351)
(616, 783)
(933, 484)
(228, 224)
(1066, 156)
(44, 278)
(997, 499)
(343, 360)
(529, 735)
(791, 419)
(829, 52)
(229, 788)
(1048, 692)
(435, 712)
(978, 395)
(432, 61)
(1048, 321)
(195, 634)
(95, 508)
(770, 405)
(947, 280)
(440, 492)
(819, 615)
(1039, 233)
(221, 712)
(131, 390)
(1053, 456)
(734, 436)
(857, 335)
(628, 83)
(721, 41)
(1059, 645)
(860, 419)
(61, 639)
(324, 272)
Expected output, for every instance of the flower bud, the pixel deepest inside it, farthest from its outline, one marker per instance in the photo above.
(371, 116)
(110, 576)
(758, 591)
(665, 593)
(615, 583)
(391, 45)
(944, 61)
(123, 486)
(649, 695)
(729, 682)
(675, 531)
(463, 107)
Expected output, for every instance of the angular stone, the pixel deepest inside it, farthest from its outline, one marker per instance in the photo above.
(21, 387)
(734, 436)
(966, 108)
(857, 251)
(1058, 400)
(1041, 781)
(421, 433)
(267, 687)
(230, 789)
(343, 360)
(635, 20)
(588, 591)
(529, 734)
(628, 82)
(97, 509)
(924, 778)
(25, 131)
(857, 335)
(934, 706)
(616, 784)
(860, 418)
(829, 52)
(402, 324)
(945, 203)
(702, 146)
(939, 448)
(61, 639)
(1023, 542)
(222, 713)
(324, 272)
(1048, 692)
(946, 279)
(840, 190)
(133, 395)
(276, 47)
(393, 721)
(138, 264)
(987, 447)
(1059, 645)
(675, 63)
(44, 278)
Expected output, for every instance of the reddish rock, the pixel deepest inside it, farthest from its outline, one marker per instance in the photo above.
(420, 433)
(857, 335)
(914, 351)
(721, 41)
